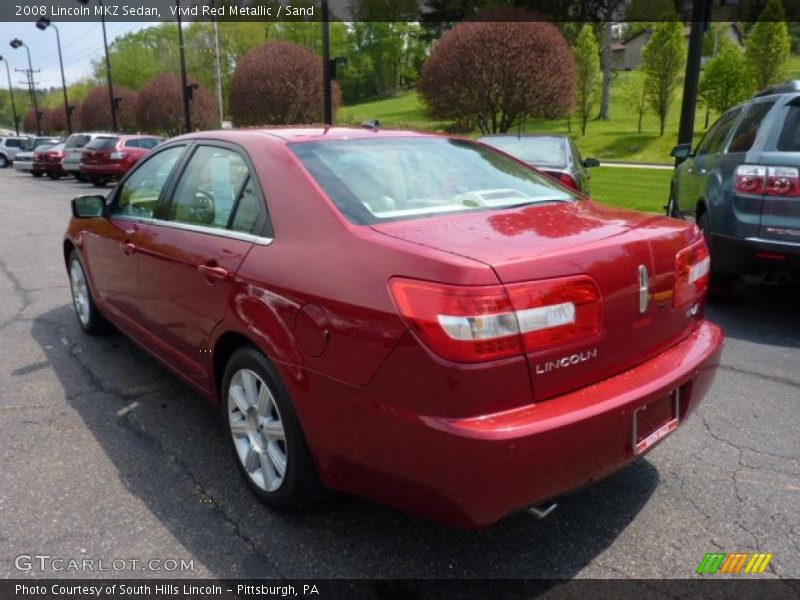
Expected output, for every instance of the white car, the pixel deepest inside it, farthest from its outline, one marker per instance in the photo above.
(72, 153)
(23, 161)
(9, 148)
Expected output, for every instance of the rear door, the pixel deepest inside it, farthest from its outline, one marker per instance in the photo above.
(780, 217)
(191, 252)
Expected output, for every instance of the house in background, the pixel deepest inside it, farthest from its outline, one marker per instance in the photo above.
(627, 54)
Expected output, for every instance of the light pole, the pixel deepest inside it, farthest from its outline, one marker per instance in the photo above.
(187, 91)
(18, 43)
(108, 66)
(11, 91)
(42, 24)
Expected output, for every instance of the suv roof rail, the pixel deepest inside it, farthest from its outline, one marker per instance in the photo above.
(782, 88)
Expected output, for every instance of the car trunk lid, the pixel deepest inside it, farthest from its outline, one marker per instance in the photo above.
(780, 215)
(577, 238)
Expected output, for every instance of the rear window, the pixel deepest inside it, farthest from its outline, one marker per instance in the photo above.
(77, 141)
(102, 143)
(372, 181)
(789, 140)
(540, 151)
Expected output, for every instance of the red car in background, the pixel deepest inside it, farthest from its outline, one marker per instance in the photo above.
(109, 157)
(418, 319)
(48, 161)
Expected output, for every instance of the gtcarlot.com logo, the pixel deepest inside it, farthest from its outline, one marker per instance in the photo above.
(47, 562)
(734, 563)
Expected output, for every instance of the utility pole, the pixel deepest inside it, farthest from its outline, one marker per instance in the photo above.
(218, 73)
(187, 111)
(110, 81)
(327, 96)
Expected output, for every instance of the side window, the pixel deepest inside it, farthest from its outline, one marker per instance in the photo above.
(139, 194)
(248, 209)
(209, 187)
(149, 143)
(132, 144)
(745, 133)
(715, 138)
(14, 143)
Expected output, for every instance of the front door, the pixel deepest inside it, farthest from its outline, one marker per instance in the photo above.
(189, 259)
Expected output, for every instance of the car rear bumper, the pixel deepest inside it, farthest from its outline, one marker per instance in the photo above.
(48, 167)
(755, 255)
(472, 471)
(71, 165)
(23, 165)
(103, 170)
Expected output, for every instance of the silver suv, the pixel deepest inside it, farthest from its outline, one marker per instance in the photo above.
(73, 148)
(9, 147)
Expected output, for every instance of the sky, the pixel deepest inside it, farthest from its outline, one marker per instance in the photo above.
(80, 42)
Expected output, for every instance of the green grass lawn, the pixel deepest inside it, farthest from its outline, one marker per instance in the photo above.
(639, 189)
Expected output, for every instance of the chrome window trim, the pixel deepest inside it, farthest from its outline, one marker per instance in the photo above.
(226, 233)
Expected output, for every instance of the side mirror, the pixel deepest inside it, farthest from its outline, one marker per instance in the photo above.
(681, 151)
(591, 162)
(88, 207)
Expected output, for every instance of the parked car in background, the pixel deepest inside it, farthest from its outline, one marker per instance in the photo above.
(743, 184)
(109, 157)
(47, 161)
(72, 153)
(553, 154)
(9, 148)
(418, 319)
(23, 161)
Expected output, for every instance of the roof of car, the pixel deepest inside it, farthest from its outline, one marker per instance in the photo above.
(307, 134)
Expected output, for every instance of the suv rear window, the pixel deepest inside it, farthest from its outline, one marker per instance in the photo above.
(102, 143)
(15, 143)
(745, 133)
(789, 141)
(78, 140)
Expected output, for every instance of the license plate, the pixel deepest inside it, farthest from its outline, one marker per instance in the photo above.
(655, 421)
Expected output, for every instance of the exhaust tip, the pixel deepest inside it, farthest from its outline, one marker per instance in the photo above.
(540, 511)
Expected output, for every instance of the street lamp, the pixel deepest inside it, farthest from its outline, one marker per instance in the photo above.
(108, 66)
(43, 23)
(11, 91)
(327, 96)
(17, 43)
(187, 91)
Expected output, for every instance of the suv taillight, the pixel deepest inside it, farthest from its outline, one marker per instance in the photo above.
(769, 181)
(482, 323)
(692, 273)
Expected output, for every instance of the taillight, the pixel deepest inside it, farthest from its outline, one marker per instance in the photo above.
(692, 273)
(117, 155)
(770, 181)
(568, 180)
(481, 323)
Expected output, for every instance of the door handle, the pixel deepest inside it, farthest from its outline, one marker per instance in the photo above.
(214, 272)
(129, 248)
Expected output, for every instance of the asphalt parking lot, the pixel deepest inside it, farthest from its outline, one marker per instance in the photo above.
(105, 455)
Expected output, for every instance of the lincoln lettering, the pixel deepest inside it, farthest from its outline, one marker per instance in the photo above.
(567, 361)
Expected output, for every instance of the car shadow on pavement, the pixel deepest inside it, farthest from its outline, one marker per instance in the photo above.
(762, 314)
(170, 451)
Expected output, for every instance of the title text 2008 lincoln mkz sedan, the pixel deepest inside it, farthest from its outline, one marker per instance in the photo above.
(416, 319)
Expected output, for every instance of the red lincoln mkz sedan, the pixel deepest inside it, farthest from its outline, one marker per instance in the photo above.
(421, 320)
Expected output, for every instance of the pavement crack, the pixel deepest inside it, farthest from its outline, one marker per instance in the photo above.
(775, 379)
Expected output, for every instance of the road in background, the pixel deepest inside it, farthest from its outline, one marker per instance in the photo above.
(105, 455)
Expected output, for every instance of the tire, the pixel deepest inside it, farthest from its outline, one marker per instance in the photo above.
(721, 284)
(265, 433)
(89, 318)
(80, 177)
(54, 176)
(98, 181)
(37, 173)
(3, 161)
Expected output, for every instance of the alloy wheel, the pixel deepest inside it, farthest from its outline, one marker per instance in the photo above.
(80, 292)
(257, 429)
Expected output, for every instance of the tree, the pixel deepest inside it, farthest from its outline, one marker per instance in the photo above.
(159, 106)
(278, 83)
(725, 80)
(587, 69)
(634, 98)
(29, 121)
(58, 118)
(769, 46)
(492, 74)
(663, 61)
(95, 113)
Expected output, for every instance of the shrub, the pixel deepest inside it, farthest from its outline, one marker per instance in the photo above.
(159, 106)
(95, 112)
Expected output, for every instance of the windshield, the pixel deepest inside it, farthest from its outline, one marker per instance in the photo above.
(536, 150)
(376, 180)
